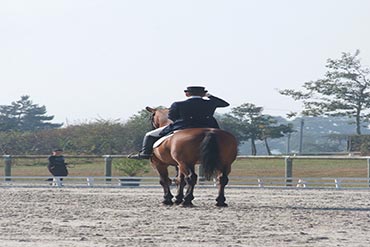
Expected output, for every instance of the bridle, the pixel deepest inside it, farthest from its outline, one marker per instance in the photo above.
(154, 124)
(156, 120)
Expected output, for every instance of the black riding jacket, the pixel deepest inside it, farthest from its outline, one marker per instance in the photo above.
(195, 112)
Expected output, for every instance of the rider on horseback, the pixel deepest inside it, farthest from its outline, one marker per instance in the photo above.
(194, 112)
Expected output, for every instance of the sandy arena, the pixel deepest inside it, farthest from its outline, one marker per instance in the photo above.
(135, 217)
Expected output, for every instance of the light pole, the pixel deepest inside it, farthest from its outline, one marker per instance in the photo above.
(301, 136)
(288, 143)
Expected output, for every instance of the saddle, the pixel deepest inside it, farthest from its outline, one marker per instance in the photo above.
(160, 140)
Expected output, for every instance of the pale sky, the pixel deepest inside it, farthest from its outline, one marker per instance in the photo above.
(89, 59)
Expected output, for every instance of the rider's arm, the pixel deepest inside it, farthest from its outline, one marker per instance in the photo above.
(218, 102)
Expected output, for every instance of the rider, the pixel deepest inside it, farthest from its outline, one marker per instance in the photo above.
(195, 112)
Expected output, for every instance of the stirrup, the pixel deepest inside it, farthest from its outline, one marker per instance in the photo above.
(139, 156)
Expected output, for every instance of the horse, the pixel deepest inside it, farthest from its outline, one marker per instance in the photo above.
(215, 149)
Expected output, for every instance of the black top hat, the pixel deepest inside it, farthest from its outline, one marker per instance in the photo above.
(195, 89)
(58, 150)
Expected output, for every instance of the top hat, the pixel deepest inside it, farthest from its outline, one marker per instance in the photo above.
(195, 89)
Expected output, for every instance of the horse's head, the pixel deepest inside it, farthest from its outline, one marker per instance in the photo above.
(159, 117)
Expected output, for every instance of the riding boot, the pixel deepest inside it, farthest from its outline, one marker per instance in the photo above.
(147, 149)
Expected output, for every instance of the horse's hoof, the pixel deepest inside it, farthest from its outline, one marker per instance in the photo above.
(178, 202)
(168, 203)
(187, 204)
(219, 204)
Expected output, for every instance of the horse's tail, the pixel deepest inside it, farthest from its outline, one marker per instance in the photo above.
(209, 154)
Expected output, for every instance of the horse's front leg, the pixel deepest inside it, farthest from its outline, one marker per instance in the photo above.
(165, 181)
(190, 179)
(222, 181)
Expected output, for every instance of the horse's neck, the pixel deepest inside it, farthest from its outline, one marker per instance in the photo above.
(165, 122)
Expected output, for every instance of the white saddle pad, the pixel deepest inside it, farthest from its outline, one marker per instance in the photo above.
(158, 142)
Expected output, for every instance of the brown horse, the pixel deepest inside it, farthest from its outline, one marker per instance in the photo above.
(215, 149)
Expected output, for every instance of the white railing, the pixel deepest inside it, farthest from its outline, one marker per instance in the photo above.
(76, 181)
(288, 161)
(289, 181)
(235, 182)
(312, 183)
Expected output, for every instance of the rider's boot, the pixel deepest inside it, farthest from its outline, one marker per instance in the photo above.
(147, 149)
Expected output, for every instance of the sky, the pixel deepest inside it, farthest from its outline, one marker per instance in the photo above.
(108, 59)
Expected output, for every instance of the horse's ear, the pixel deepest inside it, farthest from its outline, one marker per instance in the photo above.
(149, 109)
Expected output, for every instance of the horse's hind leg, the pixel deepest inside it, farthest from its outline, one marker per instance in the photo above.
(222, 181)
(180, 182)
(191, 180)
(165, 181)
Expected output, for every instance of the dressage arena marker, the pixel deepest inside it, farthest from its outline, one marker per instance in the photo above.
(90, 181)
(260, 183)
(337, 183)
(301, 183)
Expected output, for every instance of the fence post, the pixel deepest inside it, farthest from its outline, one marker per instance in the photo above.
(368, 171)
(288, 171)
(201, 173)
(8, 166)
(108, 167)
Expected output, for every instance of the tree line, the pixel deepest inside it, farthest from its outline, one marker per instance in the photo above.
(25, 127)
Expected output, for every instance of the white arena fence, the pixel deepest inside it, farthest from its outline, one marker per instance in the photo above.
(288, 181)
(145, 182)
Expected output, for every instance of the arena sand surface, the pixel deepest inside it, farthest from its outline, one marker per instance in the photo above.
(135, 217)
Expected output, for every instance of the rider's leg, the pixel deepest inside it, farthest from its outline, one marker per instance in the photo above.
(149, 139)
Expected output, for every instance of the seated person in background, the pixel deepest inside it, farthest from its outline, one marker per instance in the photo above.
(57, 166)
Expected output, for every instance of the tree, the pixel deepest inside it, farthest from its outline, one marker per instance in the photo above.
(274, 131)
(96, 137)
(23, 115)
(247, 122)
(344, 91)
(137, 126)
